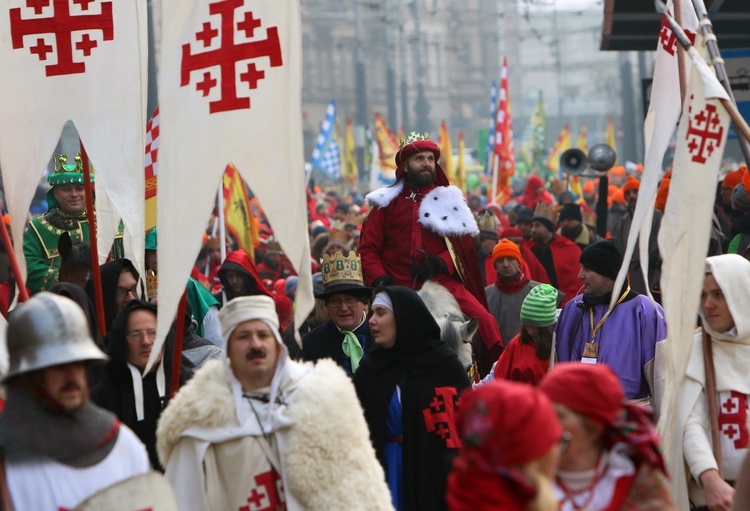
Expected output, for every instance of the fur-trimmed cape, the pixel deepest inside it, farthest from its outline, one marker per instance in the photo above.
(330, 462)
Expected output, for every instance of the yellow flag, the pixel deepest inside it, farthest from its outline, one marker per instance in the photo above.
(351, 171)
(461, 170)
(583, 145)
(444, 141)
(562, 145)
(238, 216)
(611, 134)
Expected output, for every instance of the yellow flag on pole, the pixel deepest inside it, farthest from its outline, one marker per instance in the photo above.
(444, 141)
(351, 171)
(562, 144)
(238, 216)
(461, 168)
(611, 134)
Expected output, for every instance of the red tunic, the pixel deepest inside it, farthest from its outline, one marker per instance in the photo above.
(519, 363)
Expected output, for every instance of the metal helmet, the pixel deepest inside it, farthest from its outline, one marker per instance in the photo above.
(48, 330)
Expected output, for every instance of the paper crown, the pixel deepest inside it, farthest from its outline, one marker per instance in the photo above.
(152, 283)
(340, 269)
(67, 173)
(546, 211)
(589, 218)
(487, 223)
(414, 137)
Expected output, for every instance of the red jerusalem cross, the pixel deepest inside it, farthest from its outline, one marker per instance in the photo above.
(668, 39)
(228, 54)
(733, 420)
(440, 416)
(62, 25)
(266, 492)
(704, 133)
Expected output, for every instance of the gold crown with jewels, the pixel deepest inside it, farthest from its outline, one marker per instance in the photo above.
(339, 268)
(414, 137)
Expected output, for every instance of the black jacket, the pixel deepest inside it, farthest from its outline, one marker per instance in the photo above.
(325, 342)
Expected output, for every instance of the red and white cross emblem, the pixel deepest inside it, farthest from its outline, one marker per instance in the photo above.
(733, 420)
(69, 32)
(267, 494)
(229, 54)
(667, 38)
(705, 132)
(440, 416)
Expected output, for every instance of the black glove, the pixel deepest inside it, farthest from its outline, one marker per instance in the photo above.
(429, 267)
(383, 280)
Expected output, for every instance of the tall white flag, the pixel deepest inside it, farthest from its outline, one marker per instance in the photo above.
(76, 60)
(229, 88)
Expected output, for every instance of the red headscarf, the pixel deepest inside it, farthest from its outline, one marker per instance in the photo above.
(503, 426)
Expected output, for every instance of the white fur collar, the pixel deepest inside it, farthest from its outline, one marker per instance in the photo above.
(384, 196)
(444, 211)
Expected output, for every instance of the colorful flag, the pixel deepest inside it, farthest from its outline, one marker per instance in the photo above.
(610, 135)
(504, 157)
(326, 156)
(583, 145)
(387, 149)
(534, 144)
(151, 167)
(230, 89)
(85, 62)
(684, 237)
(238, 215)
(461, 167)
(351, 170)
(446, 153)
(563, 144)
(491, 131)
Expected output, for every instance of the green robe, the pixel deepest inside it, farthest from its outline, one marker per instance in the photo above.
(40, 246)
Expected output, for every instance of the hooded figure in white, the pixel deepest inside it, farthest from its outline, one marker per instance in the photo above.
(300, 443)
(723, 312)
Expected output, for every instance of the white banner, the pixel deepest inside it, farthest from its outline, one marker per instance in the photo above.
(79, 61)
(229, 88)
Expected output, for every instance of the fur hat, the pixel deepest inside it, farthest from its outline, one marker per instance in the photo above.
(604, 257)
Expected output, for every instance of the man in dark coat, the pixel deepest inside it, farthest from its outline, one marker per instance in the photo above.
(119, 286)
(137, 400)
(409, 388)
(345, 337)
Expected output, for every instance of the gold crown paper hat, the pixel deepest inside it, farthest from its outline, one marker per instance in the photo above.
(343, 275)
(546, 214)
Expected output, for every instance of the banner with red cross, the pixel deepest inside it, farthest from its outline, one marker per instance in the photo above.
(79, 60)
(733, 419)
(230, 92)
(267, 494)
(440, 416)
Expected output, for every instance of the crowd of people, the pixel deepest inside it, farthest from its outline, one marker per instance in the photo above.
(516, 388)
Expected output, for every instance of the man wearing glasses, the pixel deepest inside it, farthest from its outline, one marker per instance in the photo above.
(345, 337)
(135, 398)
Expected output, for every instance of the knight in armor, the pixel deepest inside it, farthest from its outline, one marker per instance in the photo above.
(256, 430)
(58, 448)
(66, 201)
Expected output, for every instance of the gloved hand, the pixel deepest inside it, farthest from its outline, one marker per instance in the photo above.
(383, 280)
(429, 267)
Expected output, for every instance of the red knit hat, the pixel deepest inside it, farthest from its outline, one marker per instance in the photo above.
(734, 178)
(592, 390)
(506, 248)
(631, 184)
(507, 423)
(511, 232)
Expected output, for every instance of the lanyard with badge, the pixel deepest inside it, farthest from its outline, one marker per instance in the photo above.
(591, 349)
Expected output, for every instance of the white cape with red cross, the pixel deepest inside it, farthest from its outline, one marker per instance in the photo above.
(229, 88)
(79, 60)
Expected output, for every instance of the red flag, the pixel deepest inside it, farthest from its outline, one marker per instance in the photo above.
(504, 157)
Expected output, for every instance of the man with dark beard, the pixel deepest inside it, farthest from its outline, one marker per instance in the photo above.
(421, 229)
(526, 359)
(506, 295)
(58, 448)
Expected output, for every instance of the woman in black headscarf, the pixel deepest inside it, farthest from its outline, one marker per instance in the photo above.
(409, 388)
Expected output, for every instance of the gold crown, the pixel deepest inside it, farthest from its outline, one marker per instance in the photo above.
(546, 211)
(487, 221)
(414, 137)
(589, 217)
(62, 165)
(339, 268)
(152, 283)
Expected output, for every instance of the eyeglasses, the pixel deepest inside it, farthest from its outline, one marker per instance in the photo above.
(123, 291)
(138, 336)
(565, 440)
(336, 303)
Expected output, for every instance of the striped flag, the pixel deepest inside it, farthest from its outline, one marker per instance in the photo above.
(326, 157)
(504, 159)
(151, 167)
(491, 131)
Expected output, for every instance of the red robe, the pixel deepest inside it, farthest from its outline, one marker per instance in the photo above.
(393, 241)
(565, 256)
(519, 363)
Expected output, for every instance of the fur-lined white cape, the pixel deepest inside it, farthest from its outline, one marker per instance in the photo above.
(327, 460)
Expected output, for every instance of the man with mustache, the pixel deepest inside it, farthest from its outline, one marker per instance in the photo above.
(257, 430)
(57, 447)
(419, 229)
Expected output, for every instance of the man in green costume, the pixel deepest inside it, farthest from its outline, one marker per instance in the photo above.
(67, 212)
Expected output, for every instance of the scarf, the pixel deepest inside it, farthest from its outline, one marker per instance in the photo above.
(351, 346)
(137, 379)
(511, 286)
(32, 427)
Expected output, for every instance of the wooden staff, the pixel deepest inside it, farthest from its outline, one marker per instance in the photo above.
(98, 300)
(23, 294)
(174, 385)
(712, 397)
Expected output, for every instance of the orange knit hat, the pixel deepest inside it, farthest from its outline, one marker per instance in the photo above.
(734, 178)
(661, 195)
(631, 184)
(506, 248)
